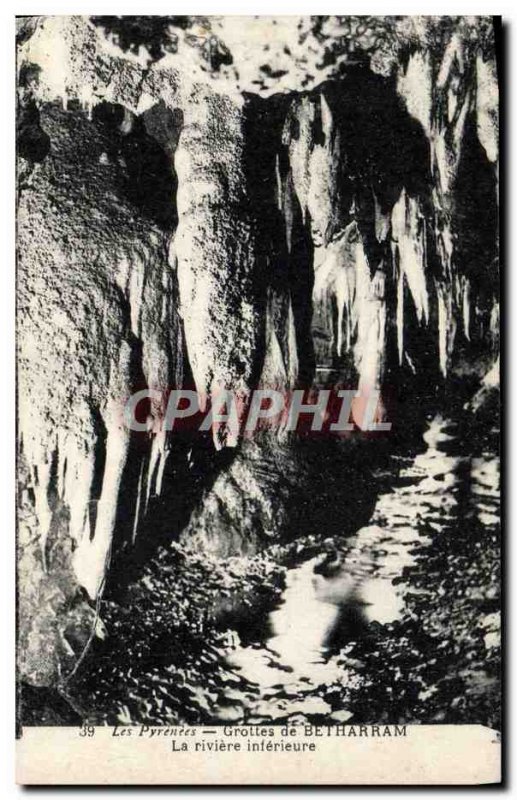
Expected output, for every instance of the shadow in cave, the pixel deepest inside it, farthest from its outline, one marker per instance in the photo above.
(284, 237)
(149, 179)
(32, 142)
(476, 232)
(383, 150)
(351, 625)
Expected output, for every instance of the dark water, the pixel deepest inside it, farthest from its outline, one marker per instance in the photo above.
(400, 622)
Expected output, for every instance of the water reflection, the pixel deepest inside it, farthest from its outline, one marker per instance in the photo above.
(342, 594)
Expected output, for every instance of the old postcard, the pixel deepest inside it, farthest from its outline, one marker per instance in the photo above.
(258, 327)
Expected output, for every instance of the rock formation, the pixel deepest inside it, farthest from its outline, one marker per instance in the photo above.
(224, 203)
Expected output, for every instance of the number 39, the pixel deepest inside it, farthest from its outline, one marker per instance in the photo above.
(87, 730)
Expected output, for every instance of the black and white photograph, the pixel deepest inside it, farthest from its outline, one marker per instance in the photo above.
(258, 291)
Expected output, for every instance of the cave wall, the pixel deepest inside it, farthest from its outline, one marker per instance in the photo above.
(313, 206)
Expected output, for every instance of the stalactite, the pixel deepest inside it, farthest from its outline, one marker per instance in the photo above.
(335, 284)
(91, 557)
(157, 460)
(217, 312)
(408, 231)
(370, 350)
(41, 486)
(80, 467)
(447, 325)
(274, 371)
(487, 106)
